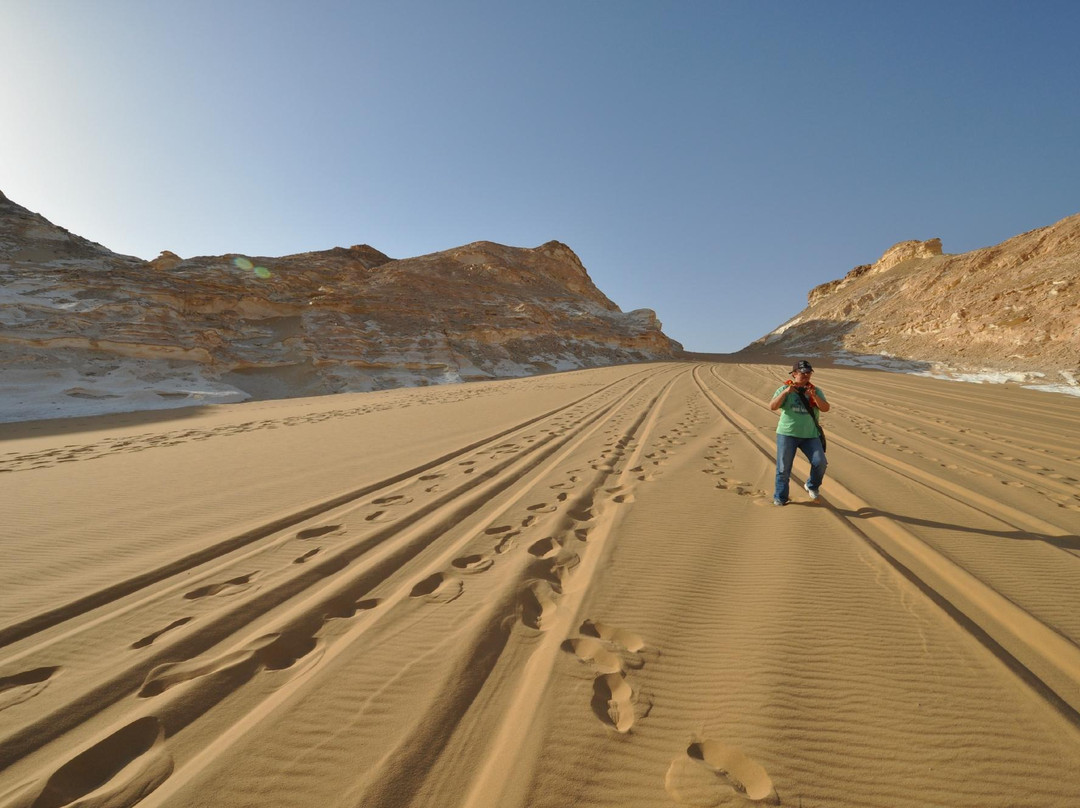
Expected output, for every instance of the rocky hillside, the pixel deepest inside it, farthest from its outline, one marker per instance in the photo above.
(1011, 307)
(83, 329)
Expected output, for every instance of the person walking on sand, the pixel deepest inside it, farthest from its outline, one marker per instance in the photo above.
(799, 403)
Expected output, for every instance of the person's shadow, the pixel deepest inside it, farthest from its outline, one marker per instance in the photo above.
(1064, 542)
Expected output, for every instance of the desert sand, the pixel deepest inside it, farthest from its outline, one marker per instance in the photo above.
(568, 590)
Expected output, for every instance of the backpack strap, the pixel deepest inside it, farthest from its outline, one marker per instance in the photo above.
(813, 414)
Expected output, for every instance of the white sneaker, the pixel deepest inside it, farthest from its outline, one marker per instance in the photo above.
(813, 494)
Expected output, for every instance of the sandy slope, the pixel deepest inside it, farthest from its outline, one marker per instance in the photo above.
(563, 591)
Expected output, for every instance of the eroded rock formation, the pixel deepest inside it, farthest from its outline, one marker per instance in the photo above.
(1011, 307)
(81, 323)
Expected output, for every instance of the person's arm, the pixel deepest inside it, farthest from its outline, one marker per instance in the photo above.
(778, 399)
(820, 403)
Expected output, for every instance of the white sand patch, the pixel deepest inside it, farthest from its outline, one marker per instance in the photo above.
(778, 332)
(31, 394)
(1033, 380)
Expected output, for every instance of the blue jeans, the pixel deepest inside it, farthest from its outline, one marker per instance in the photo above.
(786, 446)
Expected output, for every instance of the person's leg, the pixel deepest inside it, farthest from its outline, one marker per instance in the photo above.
(811, 447)
(785, 456)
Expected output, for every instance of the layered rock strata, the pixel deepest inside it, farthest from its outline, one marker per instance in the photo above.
(1011, 307)
(82, 325)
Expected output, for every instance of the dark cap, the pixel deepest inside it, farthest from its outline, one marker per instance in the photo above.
(802, 365)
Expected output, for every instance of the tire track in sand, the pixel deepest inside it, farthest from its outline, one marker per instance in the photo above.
(92, 695)
(1044, 657)
(482, 636)
(211, 679)
(28, 626)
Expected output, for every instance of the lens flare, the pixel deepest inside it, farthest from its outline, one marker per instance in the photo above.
(242, 263)
(262, 272)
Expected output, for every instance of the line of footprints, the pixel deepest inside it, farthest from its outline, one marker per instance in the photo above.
(13, 461)
(610, 652)
(708, 771)
(537, 601)
(1069, 502)
(720, 464)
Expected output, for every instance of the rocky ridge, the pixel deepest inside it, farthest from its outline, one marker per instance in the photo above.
(85, 330)
(1011, 308)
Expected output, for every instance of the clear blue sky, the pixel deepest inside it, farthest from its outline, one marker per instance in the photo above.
(710, 160)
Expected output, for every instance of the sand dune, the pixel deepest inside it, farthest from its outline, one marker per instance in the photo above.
(570, 590)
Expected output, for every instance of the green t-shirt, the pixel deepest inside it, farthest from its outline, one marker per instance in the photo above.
(795, 420)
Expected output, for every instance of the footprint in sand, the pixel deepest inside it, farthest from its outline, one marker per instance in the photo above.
(149, 639)
(594, 652)
(505, 534)
(582, 514)
(743, 489)
(22, 686)
(557, 567)
(538, 603)
(627, 639)
(545, 547)
(223, 674)
(286, 649)
(345, 607)
(473, 563)
(613, 701)
(710, 773)
(233, 586)
(316, 532)
(119, 770)
(396, 499)
(505, 543)
(438, 588)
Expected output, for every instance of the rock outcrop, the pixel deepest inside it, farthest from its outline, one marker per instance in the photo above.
(79, 323)
(897, 254)
(1011, 307)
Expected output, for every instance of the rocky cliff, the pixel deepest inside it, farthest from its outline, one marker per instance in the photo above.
(1012, 307)
(81, 325)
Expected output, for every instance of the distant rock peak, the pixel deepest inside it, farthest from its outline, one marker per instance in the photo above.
(906, 251)
(897, 254)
